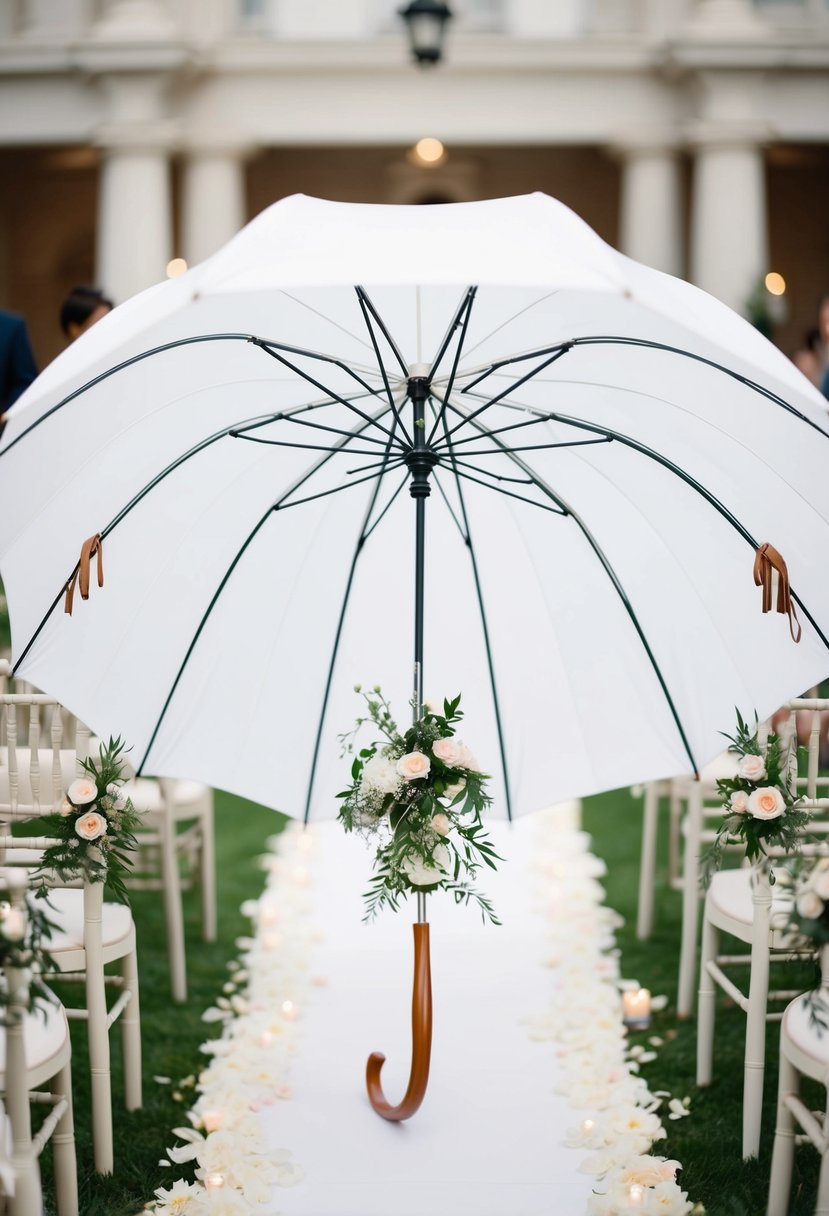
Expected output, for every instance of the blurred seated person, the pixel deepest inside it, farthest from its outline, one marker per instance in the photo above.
(17, 363)
(81, 309)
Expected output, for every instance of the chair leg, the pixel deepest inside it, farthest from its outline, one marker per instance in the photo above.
(822, 1208)
(674, 822)
(173, 914)
(647, 863)
(97, 1028)
(782, 1157)
(131, 1034)
(706, 1004)
(28, 1195)
(63, 1148)
(690, 905)
(758, 1000)
(207, 875)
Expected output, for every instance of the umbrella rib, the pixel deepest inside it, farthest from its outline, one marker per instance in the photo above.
(308, 447)
(466, 533)
(637, 446)
(542, 506)
(365, 532)
(335, 430)
(275, 507)
(611, 573)
(464, 311)
(322, 387)
(364, 309)
(537, 447)
(270, 346)
(111, 371)
(364, 296)
(494, 400)
(617, 340)
(145, 490)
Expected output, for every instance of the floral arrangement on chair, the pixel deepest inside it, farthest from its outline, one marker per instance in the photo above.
(758, 804)
(419, 791)
(95, 826)
(24, 928)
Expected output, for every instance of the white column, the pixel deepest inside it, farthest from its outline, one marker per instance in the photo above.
(729, 238)
(134, 237)
(650, 221)
(214, 205)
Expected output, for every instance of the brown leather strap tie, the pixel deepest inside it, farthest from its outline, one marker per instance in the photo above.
(766, 561)
(80, 578)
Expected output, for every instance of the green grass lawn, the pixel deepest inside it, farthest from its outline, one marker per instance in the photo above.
(707, 1142)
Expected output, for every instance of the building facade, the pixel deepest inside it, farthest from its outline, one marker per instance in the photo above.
(692, 134)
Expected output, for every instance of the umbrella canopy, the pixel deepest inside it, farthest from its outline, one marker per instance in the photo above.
(605, 446)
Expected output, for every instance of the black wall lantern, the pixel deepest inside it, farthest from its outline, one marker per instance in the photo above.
(426, 21)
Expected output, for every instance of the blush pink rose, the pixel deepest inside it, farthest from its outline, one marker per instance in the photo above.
(753, 768)
(442, 824)
(82, 791)
(449, 751)
(91, 826)
(413, 765)
(766, 803)
(809, 905)
(739, 802)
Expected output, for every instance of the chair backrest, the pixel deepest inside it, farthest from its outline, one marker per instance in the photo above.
(37, 763)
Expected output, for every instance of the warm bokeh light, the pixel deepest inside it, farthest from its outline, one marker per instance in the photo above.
(775, 283)
(429, 151)
(175, 267)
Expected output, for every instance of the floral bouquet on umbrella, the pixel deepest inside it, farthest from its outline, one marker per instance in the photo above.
(760, 806)
(420, 794)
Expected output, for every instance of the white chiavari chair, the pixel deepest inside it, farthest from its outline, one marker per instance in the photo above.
(35, 1048)
(91, 934)
(744, 905)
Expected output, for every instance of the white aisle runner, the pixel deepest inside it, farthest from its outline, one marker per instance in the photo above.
(487, 1140)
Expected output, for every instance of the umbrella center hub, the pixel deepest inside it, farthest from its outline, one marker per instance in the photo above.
(420, 462)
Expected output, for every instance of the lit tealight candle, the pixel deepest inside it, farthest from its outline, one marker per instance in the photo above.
(636, 1008)
(214, 1182)
(636, 1195)
(289, 1010)
(587, 1126)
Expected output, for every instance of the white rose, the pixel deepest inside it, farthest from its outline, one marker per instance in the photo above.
(467, 759)
(413, 766)
(422, 875)
(820, 884)
(13, 925)
(739, 802)
(380, 773)
(450, 751)
(766, 803)
(809, 905)
(442, 824)
(82, 791)
(753, 768)
(66, 807)
(91, 825)
(451, 792)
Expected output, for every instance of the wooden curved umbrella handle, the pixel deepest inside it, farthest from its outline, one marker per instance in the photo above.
(421, 1039)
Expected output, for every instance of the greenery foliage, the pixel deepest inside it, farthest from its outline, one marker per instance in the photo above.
(95, 827)
(767, 778)
(421, 794)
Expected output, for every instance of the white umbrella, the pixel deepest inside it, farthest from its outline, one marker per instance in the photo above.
(606, 447)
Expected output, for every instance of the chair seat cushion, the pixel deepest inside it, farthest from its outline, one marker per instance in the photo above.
(44, 1037)
(66, 911)
(799, 1027)
(730, 894)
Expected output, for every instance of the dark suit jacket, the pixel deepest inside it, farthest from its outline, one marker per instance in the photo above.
(17, 363)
